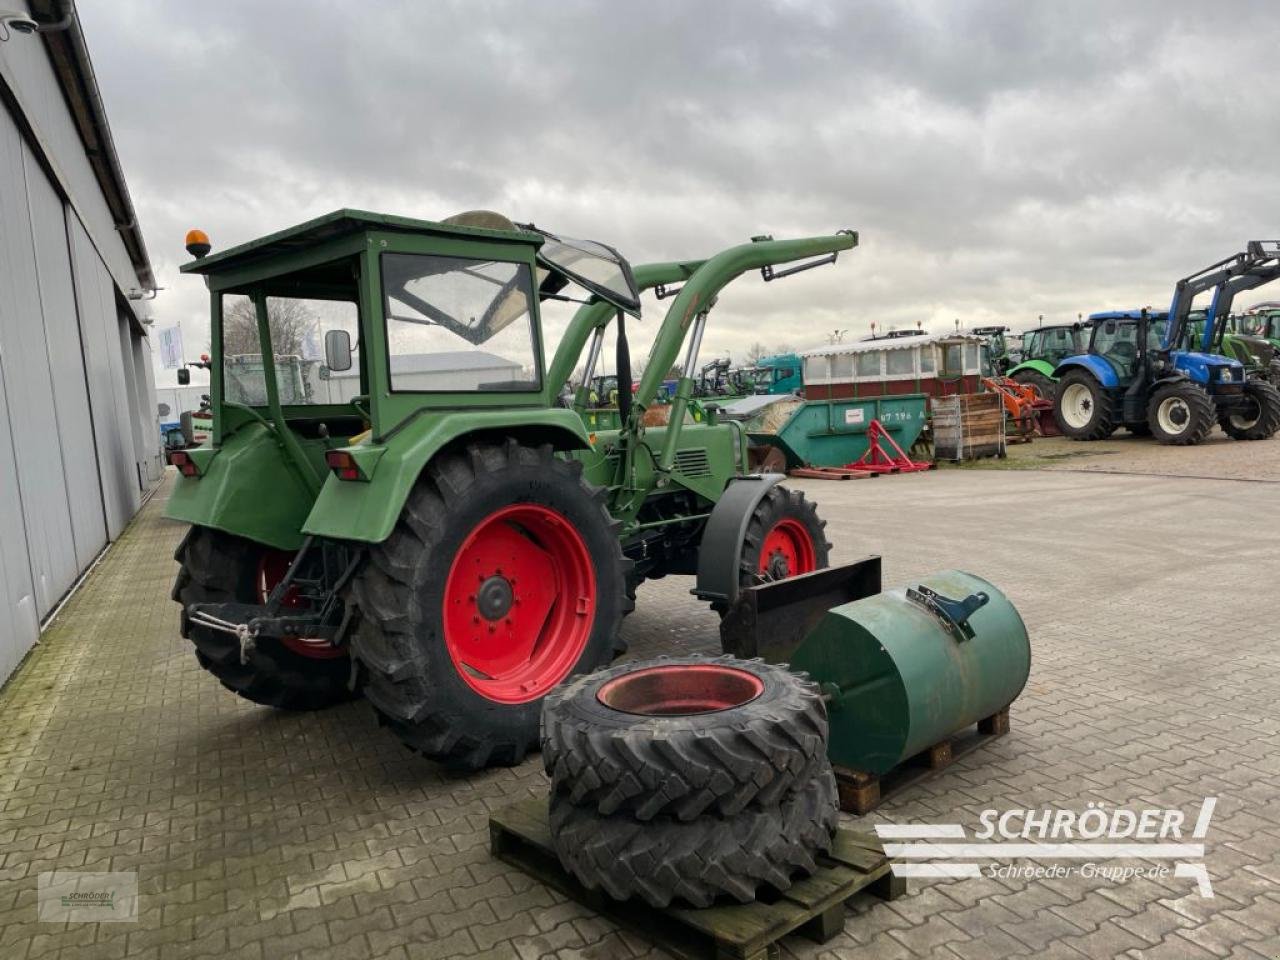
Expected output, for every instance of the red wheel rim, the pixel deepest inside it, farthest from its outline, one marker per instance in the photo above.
(519, 603)
(680, 691)
(787, 551)
(272, 567)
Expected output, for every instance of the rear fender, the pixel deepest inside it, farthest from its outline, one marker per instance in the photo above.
(249, 487)
(1098, 368)
(1042, 367)
(367, 510)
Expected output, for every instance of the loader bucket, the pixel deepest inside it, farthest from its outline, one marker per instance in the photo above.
(771, 619)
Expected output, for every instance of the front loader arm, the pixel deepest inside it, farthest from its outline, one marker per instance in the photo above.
(598, 314)
(1263, 266)
(689, 309)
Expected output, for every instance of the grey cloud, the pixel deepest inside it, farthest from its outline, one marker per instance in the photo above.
(1000, 159)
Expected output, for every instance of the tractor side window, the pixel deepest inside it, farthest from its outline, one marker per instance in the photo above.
(456, 324)
(297, 327)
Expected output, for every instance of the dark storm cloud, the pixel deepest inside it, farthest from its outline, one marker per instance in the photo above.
(1001, 160)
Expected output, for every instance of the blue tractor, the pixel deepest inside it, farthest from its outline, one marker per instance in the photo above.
(1140, 374)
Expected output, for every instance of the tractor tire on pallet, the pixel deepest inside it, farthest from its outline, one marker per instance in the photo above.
(1180, 413)
(1042, 385)
(1083, 408)
(503, 576)
(1260, 420)
(684, 736)
(697, 861)
(299, 674)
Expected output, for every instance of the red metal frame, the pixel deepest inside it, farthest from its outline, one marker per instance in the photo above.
(878, 460)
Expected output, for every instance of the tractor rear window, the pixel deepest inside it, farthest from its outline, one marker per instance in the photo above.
(297, 327)
(456, 324)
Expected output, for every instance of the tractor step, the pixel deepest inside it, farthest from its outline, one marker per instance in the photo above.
(862, 792)
(813, 907)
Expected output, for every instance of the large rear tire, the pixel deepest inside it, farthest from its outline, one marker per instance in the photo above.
(503, 577)
(1044, 386)
(1259, 419)
(1083, 408)
(217, 567)
(1181, 414)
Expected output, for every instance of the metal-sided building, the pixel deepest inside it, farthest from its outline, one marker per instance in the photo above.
(79, 444)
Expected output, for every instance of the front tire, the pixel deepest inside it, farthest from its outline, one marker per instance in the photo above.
(218, 567)
(1181, 414)
(1259, 419)
(503, 577)
(1083, 409)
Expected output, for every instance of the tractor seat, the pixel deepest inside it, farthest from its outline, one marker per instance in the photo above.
(1121, 356)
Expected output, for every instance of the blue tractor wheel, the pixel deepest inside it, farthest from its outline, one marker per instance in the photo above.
(1083, 409)
(1180, 413)
(1258, 418)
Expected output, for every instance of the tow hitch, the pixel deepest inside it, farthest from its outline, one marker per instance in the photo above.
(305, 603)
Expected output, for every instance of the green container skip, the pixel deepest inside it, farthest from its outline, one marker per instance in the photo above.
(908, 668)
(827, 433)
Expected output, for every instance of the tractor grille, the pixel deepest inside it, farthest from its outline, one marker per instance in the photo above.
(693, 462)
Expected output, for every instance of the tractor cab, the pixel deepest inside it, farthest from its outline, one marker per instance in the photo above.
(356, 324)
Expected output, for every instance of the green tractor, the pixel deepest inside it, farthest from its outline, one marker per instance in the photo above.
(428, 524)
(1042, 350)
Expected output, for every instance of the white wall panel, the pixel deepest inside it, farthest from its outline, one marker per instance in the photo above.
(19, 622)
(24, 358)
(66, 363)
(99, 332)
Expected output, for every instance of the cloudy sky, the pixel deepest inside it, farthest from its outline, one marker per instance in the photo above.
(1000, 160)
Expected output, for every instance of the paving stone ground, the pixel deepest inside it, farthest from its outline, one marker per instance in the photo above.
(1151, 602)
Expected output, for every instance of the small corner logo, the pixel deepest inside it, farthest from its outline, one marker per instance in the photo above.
(1096, 836)
(67, 896)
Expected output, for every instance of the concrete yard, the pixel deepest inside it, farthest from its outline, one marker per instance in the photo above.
(1151, 604)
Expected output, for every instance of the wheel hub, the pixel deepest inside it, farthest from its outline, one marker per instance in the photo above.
(777, 567)
(495, 597)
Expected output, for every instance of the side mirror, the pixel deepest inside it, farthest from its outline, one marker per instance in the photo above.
(184, 376)
(337, 350)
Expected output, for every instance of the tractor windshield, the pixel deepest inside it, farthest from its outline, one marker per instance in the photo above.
(598, 268)
(456, 324)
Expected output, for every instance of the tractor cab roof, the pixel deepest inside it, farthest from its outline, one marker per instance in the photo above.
(597, 267)
(342, 223)
(1128, 315)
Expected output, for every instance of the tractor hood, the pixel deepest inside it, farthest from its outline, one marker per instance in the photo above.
(1200, 366)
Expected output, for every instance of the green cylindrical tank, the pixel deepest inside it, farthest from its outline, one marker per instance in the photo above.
(903, 675)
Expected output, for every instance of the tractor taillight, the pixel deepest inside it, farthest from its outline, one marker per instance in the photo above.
(182, 461)
(343, 465)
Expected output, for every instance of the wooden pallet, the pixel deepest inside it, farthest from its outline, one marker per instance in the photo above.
(813, 907)
(862, 792)
(832, 473)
